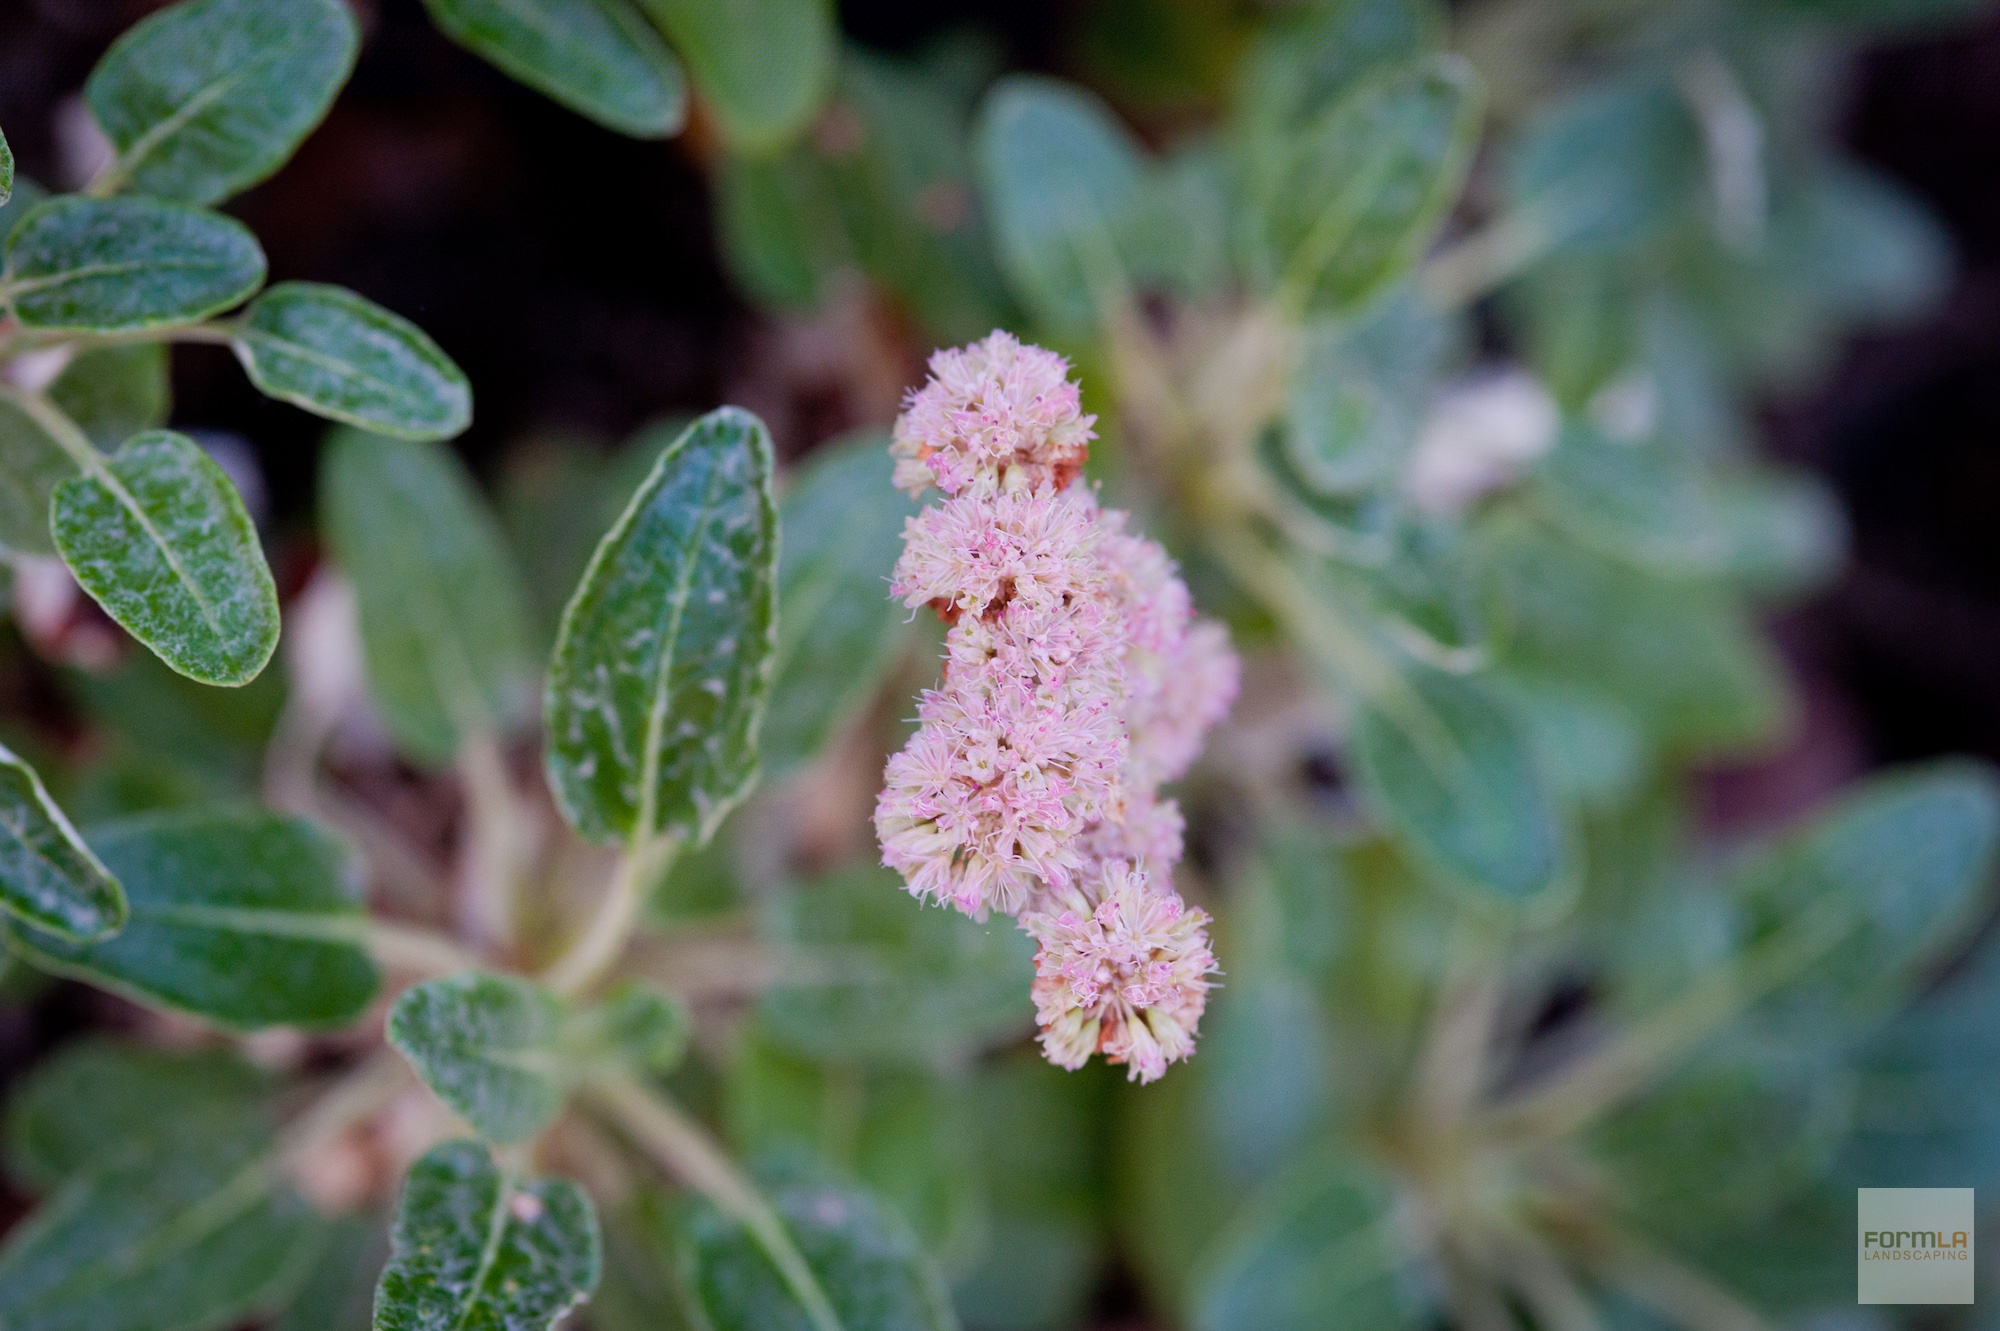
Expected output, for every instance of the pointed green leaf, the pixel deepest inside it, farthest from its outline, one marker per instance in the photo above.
(842, 524)
(195, 1239)
(246, 919)
(32, 465)
(1353, 200)
(207, 97)
(763, 66)
(159, 537)
(870, 1265)
(115, 392)
(48, 877)
(348, 359)
(597, 57)
(473, 1247)
(102, 1099)
(443, 616)
(114, 265)
(1065, 183)
(1453, 773)
(663, 662)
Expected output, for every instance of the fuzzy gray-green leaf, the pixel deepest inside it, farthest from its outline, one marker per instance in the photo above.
(348, 359)
(597, 57)
(32, 465)
(243, 918)
(207, 97)
(762, 66)
(6, 171)
(160, 538)
(663, 662)
(842, 524)
(48, 877)
(489, 1046)
(475, 1248)
(117, 265)
(115, 392)
(443, 616)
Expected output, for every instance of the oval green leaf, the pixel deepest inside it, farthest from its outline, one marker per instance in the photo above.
(117, 265)
(763, 66)
(208, 97)
(48, 877)
(597, 57)
(246, 919)
(159, 537)
(473, 1247)
(489, 1046)
(348, 359)
(663, 661)
(443, 616)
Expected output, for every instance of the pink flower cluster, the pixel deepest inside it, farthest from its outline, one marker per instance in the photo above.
(1076, 683)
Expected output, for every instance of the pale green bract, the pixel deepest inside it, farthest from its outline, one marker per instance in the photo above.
(121, 265)
(348, 359)
(48, 877)
(208, 97)
(476, 1247)
(159, 537)
(663, 661)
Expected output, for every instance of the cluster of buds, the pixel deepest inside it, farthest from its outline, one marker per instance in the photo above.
(1076, 683)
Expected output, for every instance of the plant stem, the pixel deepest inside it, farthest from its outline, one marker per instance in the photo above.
(686, 1150)
(608, 931)
(354, 1096)
(59, 427)
(408, 947)
(496, 830)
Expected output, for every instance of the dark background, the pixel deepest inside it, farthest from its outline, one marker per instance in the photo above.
(573, 274)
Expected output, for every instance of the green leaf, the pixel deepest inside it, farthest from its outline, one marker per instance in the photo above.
(1352, 202)
(842, 524)
(32, 465)
(115, 392)
(1453, 772)
(1607, 171)
(208, 97)
(337, 1292)
(27, 196)
(1318, 1248)
(872, 1268)
(195, 1239)
(640, 1290)
(1635, 500)
(597, 57)
(1065, 184)
(444, 622)
(48, 877)
(763, 66)
(159, 537)
(117, 265)
(246, 919)
(1359, 396)
(1313, 54)
(663, 662)
(877, 979)
(348, 359)
(102, 1099)
(474, 1247)
(6, 171)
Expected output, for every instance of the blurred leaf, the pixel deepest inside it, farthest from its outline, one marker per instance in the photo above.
(115, 265)
(476, 1247)
(842, 527)
(102, 1099)
(1180, 238)
(6, 171)
(32, 464)
(1606, 170)
(1355, 196)
(48, 877)
(27, 194)
(245, 919)
(1065, 183)
(159, 537)
(762, 66)
(597, 57)
(1266, 1090)
(115, 392)
(780, 227)
(640, 1290)
(663, 664)
(207, 97)
(1589, 745)
(878, 978)
(502, 1051)
(1786, 530)
(1313, 54)
(1317, 1249)
(443, 617)
(337, 1292)
(1360, 393)
(195, 1239)
(1453, 772)
(1868, 248)
(1794, 1259)
(873, 1270)
(348, 359)
(1634, 500)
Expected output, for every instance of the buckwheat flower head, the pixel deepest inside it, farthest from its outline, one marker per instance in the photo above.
(1122, 968)
(995, 412)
